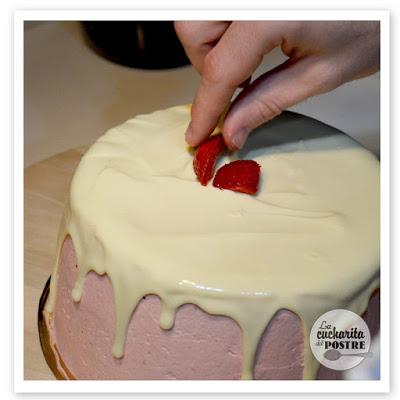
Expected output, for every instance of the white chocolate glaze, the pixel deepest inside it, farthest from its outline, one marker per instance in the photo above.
(307, 242)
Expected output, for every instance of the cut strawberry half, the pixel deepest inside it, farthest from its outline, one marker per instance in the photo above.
(240, 176)
(206, 158)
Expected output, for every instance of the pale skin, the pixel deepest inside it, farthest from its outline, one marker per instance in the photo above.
(322, 55)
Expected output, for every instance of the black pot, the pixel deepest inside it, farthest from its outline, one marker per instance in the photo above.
(138, 44)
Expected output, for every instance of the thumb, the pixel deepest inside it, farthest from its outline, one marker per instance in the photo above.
(273, 92)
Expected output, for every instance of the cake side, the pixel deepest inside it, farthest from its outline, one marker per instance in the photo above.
(199, 346)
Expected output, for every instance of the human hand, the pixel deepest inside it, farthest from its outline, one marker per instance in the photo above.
(322, 55)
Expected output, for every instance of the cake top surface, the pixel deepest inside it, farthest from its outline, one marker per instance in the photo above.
(313, 225)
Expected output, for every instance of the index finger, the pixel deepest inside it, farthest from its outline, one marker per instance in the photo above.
(235, 57)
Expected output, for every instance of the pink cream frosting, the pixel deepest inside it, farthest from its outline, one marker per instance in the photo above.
(199, 346)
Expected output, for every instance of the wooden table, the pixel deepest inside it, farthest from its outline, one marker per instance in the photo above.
(46, 188)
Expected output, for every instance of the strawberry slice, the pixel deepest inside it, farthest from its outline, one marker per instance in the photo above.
(240, 176)
(206, 158)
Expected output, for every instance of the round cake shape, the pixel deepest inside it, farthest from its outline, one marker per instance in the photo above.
(304, 243)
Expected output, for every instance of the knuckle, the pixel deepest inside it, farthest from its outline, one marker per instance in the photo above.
(268, 108)
(212, 70)
(328, 76)
(322, 76)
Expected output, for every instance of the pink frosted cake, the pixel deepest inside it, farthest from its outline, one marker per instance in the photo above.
(158, 277)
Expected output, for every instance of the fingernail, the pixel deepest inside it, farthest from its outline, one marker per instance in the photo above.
(189, 135)
(239, 138)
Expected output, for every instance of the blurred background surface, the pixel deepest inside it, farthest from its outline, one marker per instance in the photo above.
(73, 94)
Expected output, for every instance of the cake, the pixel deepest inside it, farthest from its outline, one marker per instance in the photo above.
(159, 277)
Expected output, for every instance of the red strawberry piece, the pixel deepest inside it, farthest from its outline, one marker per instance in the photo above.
(240, 176)
(206, 158)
